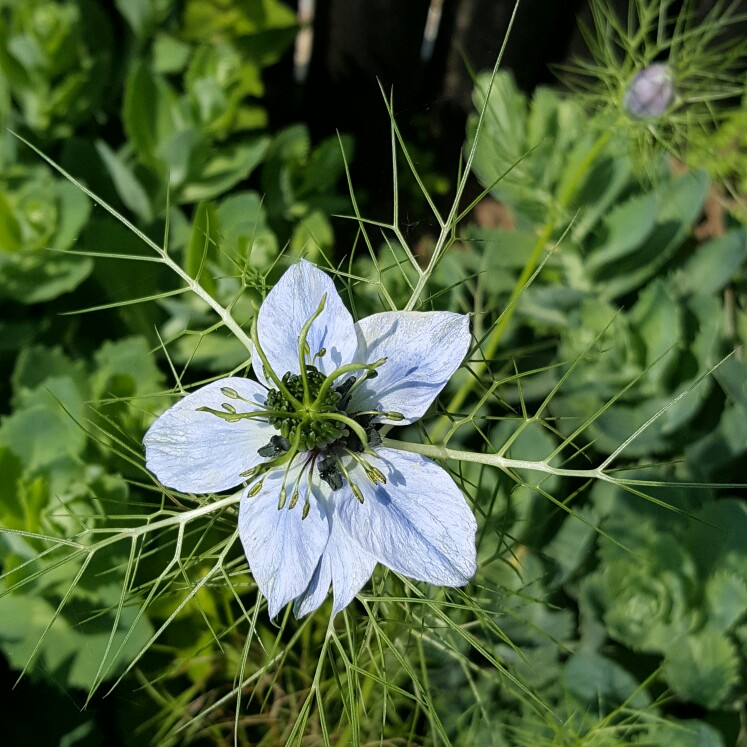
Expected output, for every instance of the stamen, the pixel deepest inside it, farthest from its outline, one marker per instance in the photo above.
(303, 347)
(232, 416)
(289, 456)
(295, 497)
(277, 446)
(329, 471)
(375, 475)
(254, 490)
(356, 490)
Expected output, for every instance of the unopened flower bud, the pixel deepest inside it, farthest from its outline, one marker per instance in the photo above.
(650, 93)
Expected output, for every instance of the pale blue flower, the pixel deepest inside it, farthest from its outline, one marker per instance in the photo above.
(323, 500)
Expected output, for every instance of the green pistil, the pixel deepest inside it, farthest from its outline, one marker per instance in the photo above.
(268, 368)
(318, 426)
(370, 369)
(303, 350)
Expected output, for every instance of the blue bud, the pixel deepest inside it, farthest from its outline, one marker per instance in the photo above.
(650, 93)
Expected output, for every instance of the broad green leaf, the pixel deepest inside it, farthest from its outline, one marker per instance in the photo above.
(726, 600)
(43, 428)
(11, 239)
(226, 169)
(702, 667)
(74, 647)
(714, 263)
(150, 113)
(35, 364)
(599, 682)
(129, 189)
(170, 55)
(127, 368)
(203, 246)
(628, 225)
(313, 237)
(688, 733)
(36, 277)
(245, 236)
(678, 205)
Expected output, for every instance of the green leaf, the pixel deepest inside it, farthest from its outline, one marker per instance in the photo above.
(246, 237)
(688, 733)
(599, 682)
(127, 368)
(150, 113)
(678, 205)
(714, 263)
(42, 429)
(657, 318)
(170, 55)
(726, 600)
(718, 537)
(628, 225)
(74, 647)
(36, 277)
(226, 169)
(35, 364)
(129, 189)
(312, 237)
(702, 667)
(11, 239)
(202, 246)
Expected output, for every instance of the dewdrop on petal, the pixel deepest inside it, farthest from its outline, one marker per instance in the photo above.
(650, 93)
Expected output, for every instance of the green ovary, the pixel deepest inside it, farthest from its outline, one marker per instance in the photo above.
(309, 426)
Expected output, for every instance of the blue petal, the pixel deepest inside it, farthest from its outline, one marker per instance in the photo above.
(423, 349)
(344, 564)
(417, 524)
(282, 548)
(288, 306)
(198, 452)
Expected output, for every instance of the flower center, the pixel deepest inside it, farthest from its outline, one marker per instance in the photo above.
(311, 426)
(310, 412)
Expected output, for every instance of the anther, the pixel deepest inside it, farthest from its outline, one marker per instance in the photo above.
(357, 492)
(283, 495)
(375, 475)
(255, 489)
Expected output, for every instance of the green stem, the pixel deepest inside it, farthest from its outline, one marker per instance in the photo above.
(439, 451)
(495, 338)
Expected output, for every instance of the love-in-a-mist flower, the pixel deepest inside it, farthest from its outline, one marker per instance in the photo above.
(323, 499)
